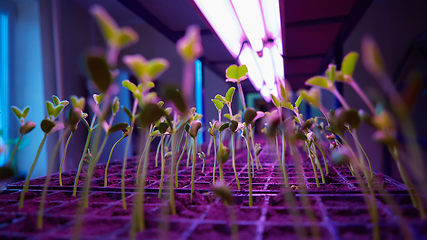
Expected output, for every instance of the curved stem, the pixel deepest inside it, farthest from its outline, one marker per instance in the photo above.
(285, 173)
(63, 157)
(257, 162)
(242, 97)
(109, 158)
(27, 181)
(14, 151)
(179, 160)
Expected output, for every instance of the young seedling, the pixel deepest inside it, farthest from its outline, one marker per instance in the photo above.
(187, 133)
(73, 120)
(48, 126)
(90, 128)
(249, 116)
(125, 135)
(78, 107)
(212, 132)
(194, 128)
(203, 157)
(25, 128)
(163, 127)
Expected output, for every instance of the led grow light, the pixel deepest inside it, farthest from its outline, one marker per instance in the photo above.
(255, 21)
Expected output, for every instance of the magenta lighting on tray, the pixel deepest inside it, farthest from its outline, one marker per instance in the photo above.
(255, 24)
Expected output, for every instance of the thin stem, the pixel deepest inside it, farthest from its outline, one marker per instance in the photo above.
(27, 181)
(89, 134)
(285, 174)
(141, 157)
(318, 164)
(215, 156)
(364, 153)
(14, 150)
(340, 99)
(92, 165)
(109, 158)
(233, 155)
(258, 163)
(323, 155)
(189, 151)
(234, 228)
(135, 106)
(47, 180)
(179, 160)
(157, 154)
(242, 97)
(63, 157)
(249, 169)
(363, 96)
(193, 170)
(171, 189)
(162, 158)
(312, 164)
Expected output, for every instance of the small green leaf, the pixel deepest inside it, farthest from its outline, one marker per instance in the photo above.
(283, 92)
(129, 85)
(330, 72)
(156, 67)
(150, 114)
(47, 126)
(50, 109)
(276, 101)
(176, 97)
(160, 103)
(116, 105)
(288, 105)
(312, 96)
(237, 73)
(117, 127)
(57, 110)
(126, 37)
(99, 72)
(218, 104)
(17, 112)
(229, 95)
(107, 24)
(298, 101)
(25, 112)
(128, 112)
(223, 127)
(220, 98)
(163, 127)
(318, 81)
(149, 85)
(371, 57)
(249, 115)
(349, 63)
(227, 115)
(98, 98)
(27, 127)
(56, 100)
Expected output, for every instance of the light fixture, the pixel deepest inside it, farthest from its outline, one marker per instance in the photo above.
(251, 20)
(251, 31)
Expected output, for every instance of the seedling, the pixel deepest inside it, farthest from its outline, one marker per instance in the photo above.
(194, 128)
(25, 128)
(48, 126)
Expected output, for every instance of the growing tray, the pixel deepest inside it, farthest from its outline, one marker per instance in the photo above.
(339, 207)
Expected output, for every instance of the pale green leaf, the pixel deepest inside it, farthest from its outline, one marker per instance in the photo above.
(50, 108)
(298, 101)
(318, 81)
(129, 85)
(229, 94)
(218, 104)
(237, 73)
(349, 63)
(17, 112)
(156, 67)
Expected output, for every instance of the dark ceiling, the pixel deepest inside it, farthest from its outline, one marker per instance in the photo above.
(313, 32)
